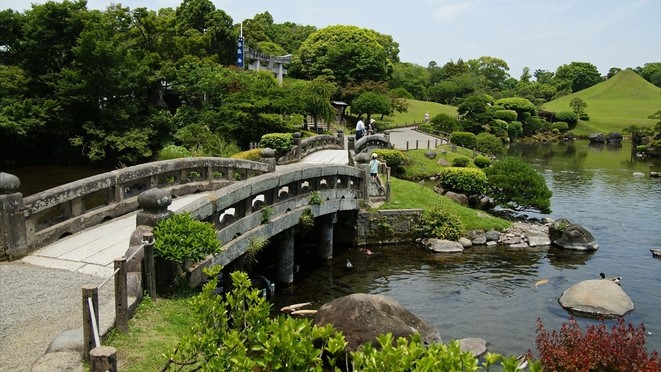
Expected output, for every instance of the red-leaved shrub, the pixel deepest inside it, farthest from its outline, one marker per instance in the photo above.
(571, 349)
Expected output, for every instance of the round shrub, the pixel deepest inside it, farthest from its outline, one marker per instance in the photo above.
(173, 152)
(567, 116)
(482, 161)
(515, 129)
(555, 131)
(489, 143)
(439, 223)
(505, 115)
(470, 181)
(254, 155)
(181, 238)
(584, 116)
(281, 143)
(460, 161)
(393, 158)
(464, 139)
(560, 126)
(445, 123)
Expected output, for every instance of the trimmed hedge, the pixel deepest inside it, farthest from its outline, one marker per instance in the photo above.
(482, 161)
(561, 126)
(460, 161)
(393, 158)
(254, 155)
(173, 152)
(464, 139)
(281, 143)
(470, 181)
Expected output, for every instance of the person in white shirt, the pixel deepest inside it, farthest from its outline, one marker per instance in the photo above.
(360, 128)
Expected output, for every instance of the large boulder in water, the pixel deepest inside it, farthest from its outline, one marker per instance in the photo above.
(362, 317)
(568, 235)
(596, 297)
(614, 137)
(597, 138)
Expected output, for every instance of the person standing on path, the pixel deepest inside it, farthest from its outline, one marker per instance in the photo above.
(360, 128)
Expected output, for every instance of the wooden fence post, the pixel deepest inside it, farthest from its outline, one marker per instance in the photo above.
(103, 358)
(88, 329)
(121, 296)
(150, 266)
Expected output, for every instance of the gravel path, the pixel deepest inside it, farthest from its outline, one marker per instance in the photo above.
(36, 305)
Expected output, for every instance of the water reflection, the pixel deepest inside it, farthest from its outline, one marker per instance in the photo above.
(492, 292)
(567, 259)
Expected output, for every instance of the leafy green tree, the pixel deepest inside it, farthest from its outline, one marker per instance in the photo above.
(490, 143)
(612, 72)
(577, 76)
(474, 112)
(370, 103)
(577, 105)
(289, 35)
(318, 101)
(513, 183)
(493, 70)
(351, 52)
(411, 77)
(650, 72)
(543, 76)
(445, 123)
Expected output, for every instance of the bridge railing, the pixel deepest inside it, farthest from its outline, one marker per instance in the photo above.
(304, 147)
(266, 205)
(380, 140)
(42, 218)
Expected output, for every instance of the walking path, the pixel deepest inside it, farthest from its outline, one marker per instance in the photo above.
(40, 294)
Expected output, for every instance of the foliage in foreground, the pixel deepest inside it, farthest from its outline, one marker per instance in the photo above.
(236, 334)
(571, 349)
(181, 238)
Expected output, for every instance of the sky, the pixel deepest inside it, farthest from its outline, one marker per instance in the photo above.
(539, 34)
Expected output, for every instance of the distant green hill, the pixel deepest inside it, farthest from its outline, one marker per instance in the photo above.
(416, 112)
(623, 100)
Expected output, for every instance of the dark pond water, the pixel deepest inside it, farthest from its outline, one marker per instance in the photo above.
(491, 293)
(39, 178)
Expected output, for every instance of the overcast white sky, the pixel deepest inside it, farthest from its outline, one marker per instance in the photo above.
(540, 34)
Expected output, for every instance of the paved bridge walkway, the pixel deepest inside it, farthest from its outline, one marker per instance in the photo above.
(40, 294)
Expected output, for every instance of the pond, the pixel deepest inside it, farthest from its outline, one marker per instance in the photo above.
(490, 292)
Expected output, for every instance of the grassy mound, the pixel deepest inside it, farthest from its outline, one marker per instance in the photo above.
(623, 100)
(416, 112)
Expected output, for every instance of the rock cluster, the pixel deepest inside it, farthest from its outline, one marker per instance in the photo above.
(561, 233)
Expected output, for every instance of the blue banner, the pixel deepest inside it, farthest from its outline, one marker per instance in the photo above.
(239, 52)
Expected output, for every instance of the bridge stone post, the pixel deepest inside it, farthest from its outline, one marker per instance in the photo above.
(297, 145)
(154, 204)
(386, 134)
(363, 163)
(326, 239)
(351, 142)
(13, 233)
(340, 137)
(284, 272)
(268, 157)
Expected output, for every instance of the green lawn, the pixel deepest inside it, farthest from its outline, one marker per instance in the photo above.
(416, 113)
(156, 329)
(411, 195)
(623, 100)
